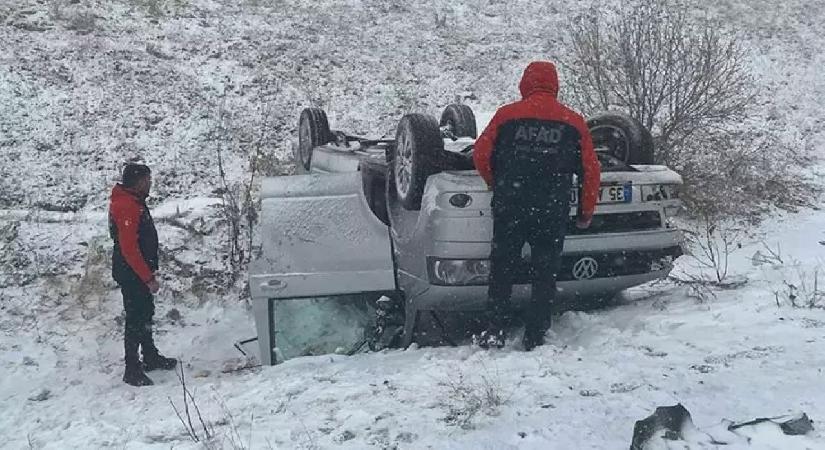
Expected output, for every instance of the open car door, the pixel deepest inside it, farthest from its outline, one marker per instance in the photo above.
(319, 239)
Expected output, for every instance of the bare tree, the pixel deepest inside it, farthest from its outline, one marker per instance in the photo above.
(687, 80)
(676, 74)
(238, 199)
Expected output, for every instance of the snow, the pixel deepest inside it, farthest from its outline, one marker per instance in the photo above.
(738, 357)
(74, 105)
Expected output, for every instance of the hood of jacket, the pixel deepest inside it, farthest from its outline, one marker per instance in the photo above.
(539, 76)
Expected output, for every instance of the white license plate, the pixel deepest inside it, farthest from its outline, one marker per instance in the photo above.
(608, 194)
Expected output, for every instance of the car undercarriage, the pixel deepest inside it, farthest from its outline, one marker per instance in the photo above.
(408, 220)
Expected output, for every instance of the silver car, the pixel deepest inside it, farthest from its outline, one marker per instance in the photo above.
(409, 218)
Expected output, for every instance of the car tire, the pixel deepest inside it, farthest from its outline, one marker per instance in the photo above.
(313, 130)
(623, 137)
(460, 120)
(417, 143)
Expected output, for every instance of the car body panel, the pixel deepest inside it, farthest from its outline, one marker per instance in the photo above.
(319, 238)
(305, 266)
(331, 158)
(443, 231)
(322, 241)
(428, 297)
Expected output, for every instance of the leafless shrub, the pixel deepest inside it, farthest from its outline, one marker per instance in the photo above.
(768, 255)
(94, 283)
(699, 287)
(470, 395)
(202, 433)
(801, 288)
(440, 20)
(686, 78)
(233, 439)
(56, 10)
(82, 21)
(239, 205)
(154, 8)
(30, 442)
(712, 242)
(17, 260)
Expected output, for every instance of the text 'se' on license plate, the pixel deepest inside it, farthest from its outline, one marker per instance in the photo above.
(608, 194)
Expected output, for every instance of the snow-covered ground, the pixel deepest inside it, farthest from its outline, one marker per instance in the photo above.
(85, 85)
(737, 356)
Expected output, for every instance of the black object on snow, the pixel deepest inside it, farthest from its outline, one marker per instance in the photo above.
(792, 426)
(674, 423)
(668, 419)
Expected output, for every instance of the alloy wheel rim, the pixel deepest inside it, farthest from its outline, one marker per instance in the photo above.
(616, 141)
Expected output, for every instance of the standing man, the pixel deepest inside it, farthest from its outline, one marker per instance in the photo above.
(134, 263)
(528, 155)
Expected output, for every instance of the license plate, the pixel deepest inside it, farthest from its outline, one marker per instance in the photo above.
(608, 194)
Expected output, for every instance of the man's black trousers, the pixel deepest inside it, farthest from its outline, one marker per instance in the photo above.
(139, 306)
(544, 230)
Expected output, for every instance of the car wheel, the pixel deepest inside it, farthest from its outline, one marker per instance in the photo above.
(313, 130)
(459, 120)
(623, 137)
(417, 142)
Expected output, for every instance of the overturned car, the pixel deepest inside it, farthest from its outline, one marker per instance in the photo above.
(408, 220)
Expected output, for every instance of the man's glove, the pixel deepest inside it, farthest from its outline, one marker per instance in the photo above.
(583, 223)
(153, 286)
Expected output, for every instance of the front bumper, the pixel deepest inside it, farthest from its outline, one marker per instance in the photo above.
(617, 270)
(426, 296)
(608, 264)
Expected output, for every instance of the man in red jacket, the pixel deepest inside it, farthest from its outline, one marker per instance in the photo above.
(528, 155)
(134, 263)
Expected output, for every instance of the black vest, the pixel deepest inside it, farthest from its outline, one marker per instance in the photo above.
(147, 242)
(533, 164)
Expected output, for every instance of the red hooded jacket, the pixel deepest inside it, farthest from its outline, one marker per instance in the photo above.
(539, 87)
(135, 253)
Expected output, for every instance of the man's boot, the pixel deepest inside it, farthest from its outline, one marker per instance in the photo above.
(498, 314)
(492, 337)
(152, 359)
(133, 374)
(536, 323)
(155, 361)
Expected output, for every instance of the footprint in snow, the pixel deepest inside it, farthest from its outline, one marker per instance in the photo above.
(623, 388)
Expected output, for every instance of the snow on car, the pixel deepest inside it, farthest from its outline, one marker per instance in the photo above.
(408, 220)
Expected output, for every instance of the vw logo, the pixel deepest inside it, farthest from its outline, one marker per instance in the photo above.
(585, 268)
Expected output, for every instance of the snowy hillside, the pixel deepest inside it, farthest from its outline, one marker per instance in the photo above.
(89, 84)
(86, 85)
(738, 356)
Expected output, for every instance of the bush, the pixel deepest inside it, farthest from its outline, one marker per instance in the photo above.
(471, 393)
(687, 80)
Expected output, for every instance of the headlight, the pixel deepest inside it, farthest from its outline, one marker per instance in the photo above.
(459, 272)
(659, 192)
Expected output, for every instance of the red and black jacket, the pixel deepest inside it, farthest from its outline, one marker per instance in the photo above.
(135, 254)
(532, 147)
